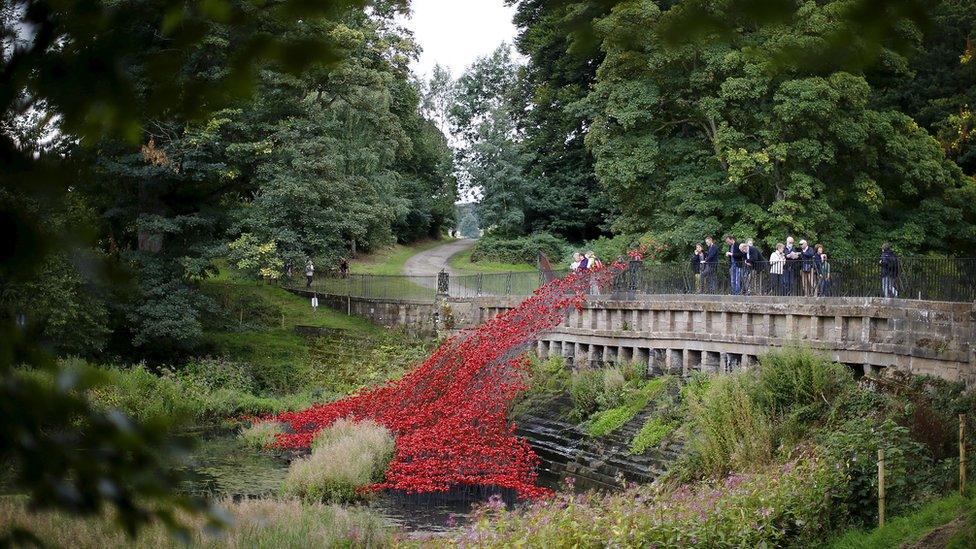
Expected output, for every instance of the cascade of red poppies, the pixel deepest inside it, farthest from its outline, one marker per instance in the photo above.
(448, 414)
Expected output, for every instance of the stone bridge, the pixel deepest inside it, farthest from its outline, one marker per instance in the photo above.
(684, 333)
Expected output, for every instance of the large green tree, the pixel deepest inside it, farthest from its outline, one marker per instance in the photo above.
(563, 195)
(741, 135)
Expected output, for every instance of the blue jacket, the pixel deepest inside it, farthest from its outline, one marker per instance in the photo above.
(737, 255)
(711, 255)
(810, 258)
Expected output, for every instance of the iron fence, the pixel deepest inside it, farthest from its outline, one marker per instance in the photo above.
(422, 288)
(935, 279)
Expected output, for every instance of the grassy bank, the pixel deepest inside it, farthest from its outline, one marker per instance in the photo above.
(255, 363)
(390, 261)
(780, 455)
(946, 522)
(461, 262)
(254, 523)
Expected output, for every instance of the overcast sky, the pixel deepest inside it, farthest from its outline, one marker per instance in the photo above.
(455, 32)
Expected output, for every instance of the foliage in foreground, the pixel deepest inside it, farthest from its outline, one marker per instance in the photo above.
(783, 504)
(346, 457)
(909, 528)
(254, 523)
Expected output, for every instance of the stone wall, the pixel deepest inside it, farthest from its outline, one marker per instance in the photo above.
(720, 333)
(418, 317)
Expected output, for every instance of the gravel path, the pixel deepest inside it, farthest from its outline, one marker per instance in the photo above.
(430, 262)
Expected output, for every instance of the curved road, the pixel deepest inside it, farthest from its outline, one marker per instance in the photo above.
(430, 262)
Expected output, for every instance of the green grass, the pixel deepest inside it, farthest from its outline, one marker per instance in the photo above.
(254, 523)
(390, 261)
(607, 421)
(461, 262)
(651, 434)
(276, 340)
(908, 528)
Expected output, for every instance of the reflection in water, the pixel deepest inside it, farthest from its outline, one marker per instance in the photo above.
(221, 465)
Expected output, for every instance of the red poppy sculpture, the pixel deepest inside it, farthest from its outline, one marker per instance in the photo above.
(448, 414)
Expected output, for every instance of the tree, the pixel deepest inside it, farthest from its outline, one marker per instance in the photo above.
(723, 135)
(491, 157)
(99, 74)
(564, 196)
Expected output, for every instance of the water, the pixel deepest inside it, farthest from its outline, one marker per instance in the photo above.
(220, 465)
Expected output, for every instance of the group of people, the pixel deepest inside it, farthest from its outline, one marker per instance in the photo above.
(584, 261)
(792, 269)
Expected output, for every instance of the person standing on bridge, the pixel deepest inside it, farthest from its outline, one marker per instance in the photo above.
(697, 264)
(889, 271)
(710, 266)
(790, 272)
(736, 257)
(309, 273)
(577, 261)
(777, 260)
(808, 270)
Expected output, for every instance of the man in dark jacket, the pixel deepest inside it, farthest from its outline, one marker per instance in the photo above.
(737, 257)
(756, 266)
(791, 271)
(808, 268)
(710, 266)
(889, 271)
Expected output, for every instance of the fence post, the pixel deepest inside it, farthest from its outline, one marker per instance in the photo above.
(478, 286)
(443, 282)
(508, 285)
(881, 487)
(349, 295)
(962, 454)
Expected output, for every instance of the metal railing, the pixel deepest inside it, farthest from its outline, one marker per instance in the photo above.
(935, 279)
(423, 288)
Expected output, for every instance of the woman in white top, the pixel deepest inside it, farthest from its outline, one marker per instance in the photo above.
(575, 265)
(777, 260)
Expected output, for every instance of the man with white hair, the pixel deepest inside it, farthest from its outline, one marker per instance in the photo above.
(790, 273)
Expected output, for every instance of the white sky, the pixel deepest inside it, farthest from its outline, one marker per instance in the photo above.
(455, 32)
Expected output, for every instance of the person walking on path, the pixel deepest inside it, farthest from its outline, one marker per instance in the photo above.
(889, 271)
(344, 268)
(777, 260)
(710, 266)
(808, 268)
(736, 258)
(697, 263)
(309, 273)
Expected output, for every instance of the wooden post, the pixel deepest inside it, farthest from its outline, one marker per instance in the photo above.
(881, 488)
(962, 454)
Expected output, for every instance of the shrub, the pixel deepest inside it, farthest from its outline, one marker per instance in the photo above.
(346, 456)
(853, 447)
(787, 505)
(260, 434)
(518, 250)
(728, 430)
(145, 395)
(584, 389)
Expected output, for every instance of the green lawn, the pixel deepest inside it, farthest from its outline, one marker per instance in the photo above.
(389, 261)
(278, 312)
(461, 262)
(908, 529)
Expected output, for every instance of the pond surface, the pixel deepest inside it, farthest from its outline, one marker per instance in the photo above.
(222, 466)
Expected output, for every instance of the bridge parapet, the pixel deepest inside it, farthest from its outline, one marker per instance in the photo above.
(684, 333)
